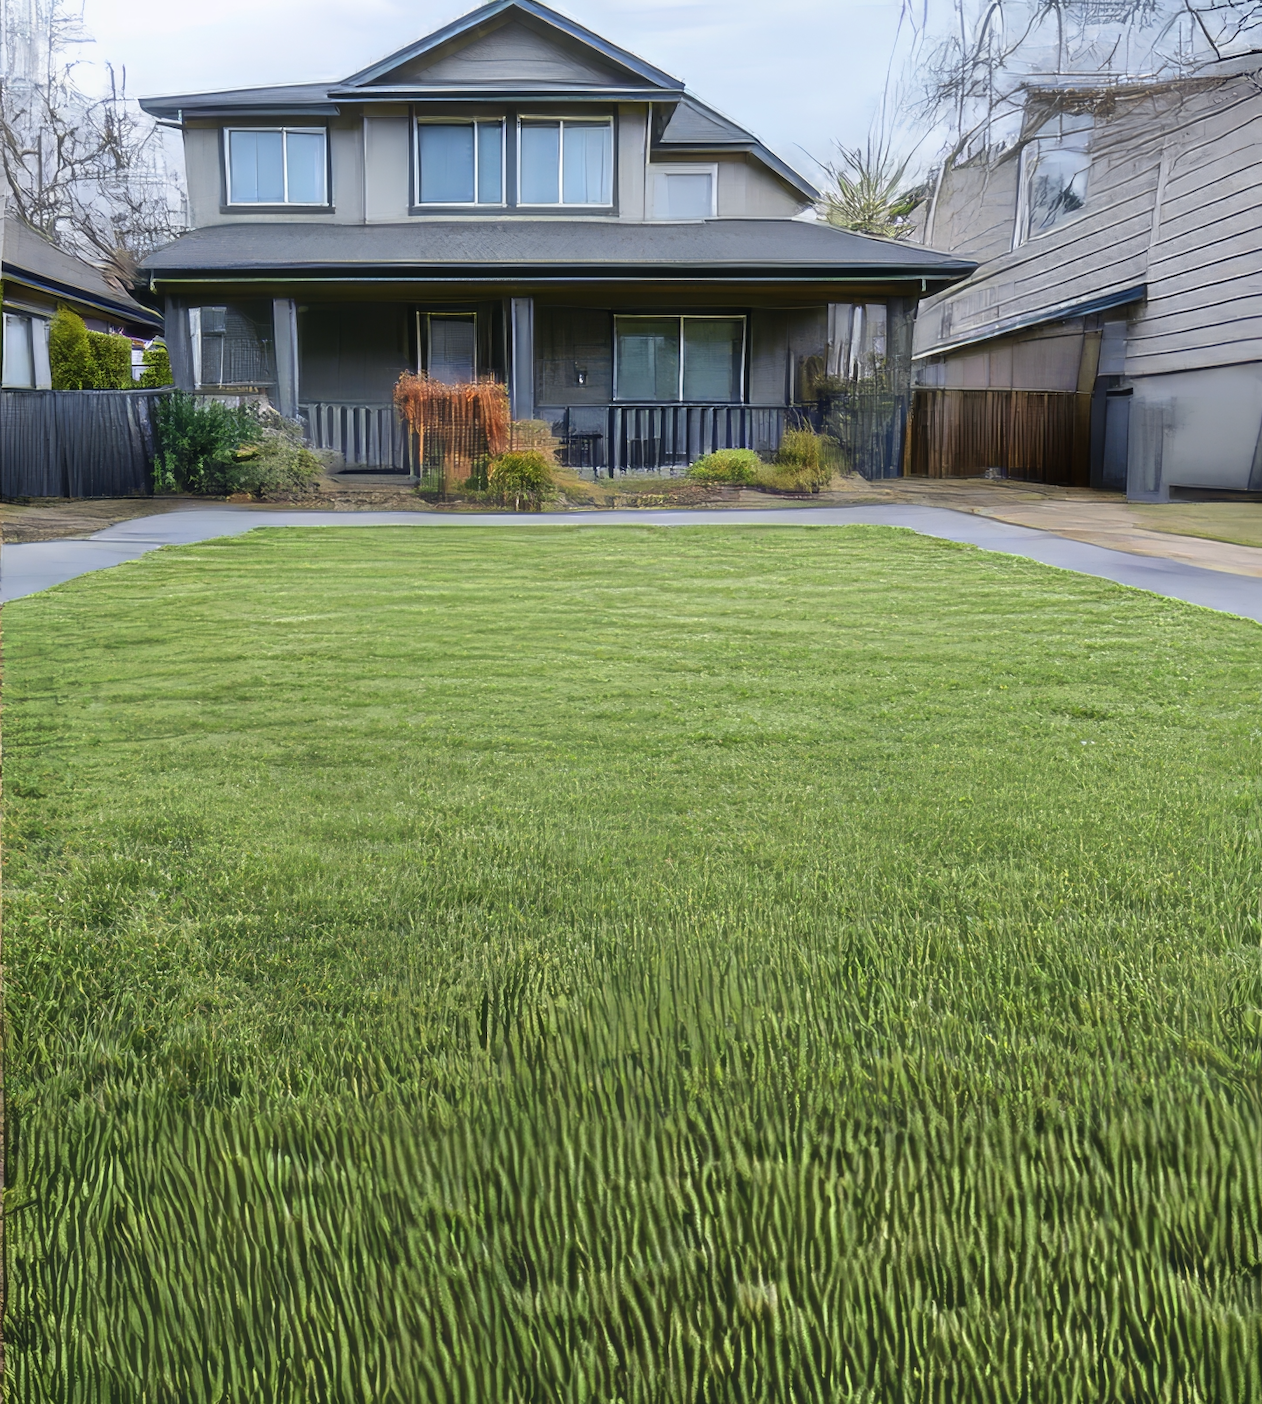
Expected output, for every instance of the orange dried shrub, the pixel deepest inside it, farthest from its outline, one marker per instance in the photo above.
(458, 424)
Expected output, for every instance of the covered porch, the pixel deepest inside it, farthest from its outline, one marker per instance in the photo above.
(648, 347)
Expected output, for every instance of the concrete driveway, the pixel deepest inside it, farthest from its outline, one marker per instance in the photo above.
(29, 567)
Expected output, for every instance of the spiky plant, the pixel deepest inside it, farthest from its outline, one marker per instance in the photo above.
(868, 194)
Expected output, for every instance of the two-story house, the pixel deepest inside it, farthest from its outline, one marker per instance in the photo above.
(1112, 334)
(514, 197)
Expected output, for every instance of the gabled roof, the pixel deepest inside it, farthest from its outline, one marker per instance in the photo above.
(506, 50)
(627, 66)
(694, 127)
(27, 258)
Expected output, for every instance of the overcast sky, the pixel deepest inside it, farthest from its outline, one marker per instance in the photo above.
(799, 73)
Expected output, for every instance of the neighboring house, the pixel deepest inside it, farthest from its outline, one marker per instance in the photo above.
(1113, 333)
(37, 279)
(515, 197)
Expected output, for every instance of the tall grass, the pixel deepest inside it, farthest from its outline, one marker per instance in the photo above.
(627, 964)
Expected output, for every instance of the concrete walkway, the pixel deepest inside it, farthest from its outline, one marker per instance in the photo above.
(30, 567)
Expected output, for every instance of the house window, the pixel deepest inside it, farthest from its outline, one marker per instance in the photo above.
(460, 163)
(278, 166)
(1055, 164)
(19, 353)
(451, 346)
(565, 162)
(679, 358)
(684, 192)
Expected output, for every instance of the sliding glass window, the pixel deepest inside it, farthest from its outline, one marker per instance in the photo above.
(660, 359)
(277, 166)
(564, 162)
(460, 163)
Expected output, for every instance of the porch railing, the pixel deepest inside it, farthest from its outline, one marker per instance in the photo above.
(622, 437)
(367, 436)
(610, 437)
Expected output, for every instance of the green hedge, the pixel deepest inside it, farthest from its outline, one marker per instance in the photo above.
(80, 359)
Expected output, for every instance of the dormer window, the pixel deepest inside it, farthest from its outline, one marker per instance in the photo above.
(684, 192)
(565, 162)
(278, 166)
(460, 163)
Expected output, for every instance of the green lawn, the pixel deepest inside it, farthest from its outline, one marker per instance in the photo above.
(630, 964)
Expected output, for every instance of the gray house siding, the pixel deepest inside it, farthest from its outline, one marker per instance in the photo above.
(353, 286)
(1174, 210)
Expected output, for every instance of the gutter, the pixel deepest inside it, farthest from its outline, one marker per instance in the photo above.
(1104, 303)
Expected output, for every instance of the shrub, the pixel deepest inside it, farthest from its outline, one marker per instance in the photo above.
(801, 464)
(278, 464)
(157, 371)
(111, 361)
(726, 466)
(534, 435)
(198, 443)
(70, 352)
(522, 478)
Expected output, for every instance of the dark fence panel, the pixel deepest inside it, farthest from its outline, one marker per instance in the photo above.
(76, 443)
(1041, 436)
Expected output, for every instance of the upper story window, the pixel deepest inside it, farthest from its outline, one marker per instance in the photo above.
(684, 192)
(565, 162)
(278, 166)
(460, 163)
(1055, 164)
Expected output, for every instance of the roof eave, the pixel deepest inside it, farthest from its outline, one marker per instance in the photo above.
(932, 277)
(129, 311)
(490, 92)
(1065, 312)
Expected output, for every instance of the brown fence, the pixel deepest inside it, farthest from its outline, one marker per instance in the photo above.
(1041, 436)
(76, 443)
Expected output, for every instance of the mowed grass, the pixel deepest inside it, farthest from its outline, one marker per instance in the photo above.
(630, 965)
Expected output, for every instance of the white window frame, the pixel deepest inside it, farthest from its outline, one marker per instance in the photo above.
(560, 203)
(475, 203)
(686, 168)
(681, 318)
(324, 204)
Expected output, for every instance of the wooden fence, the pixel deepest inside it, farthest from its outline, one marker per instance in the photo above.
(76, 443)
(1040, 436)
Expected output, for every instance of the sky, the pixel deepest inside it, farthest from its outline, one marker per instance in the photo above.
(801, 74)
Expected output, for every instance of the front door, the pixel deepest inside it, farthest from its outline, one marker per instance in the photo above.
(450, 341)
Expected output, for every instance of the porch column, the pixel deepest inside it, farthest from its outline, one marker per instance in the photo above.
(177, 334)
(521, 384)
(285, 325)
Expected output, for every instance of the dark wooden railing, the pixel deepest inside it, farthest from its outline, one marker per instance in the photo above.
(635, 437)
(610, 437)
(367, 436)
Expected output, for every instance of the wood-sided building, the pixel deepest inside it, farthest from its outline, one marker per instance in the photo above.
(513, 196)
(1112, 334)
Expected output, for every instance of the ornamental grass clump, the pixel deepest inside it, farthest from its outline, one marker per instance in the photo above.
(457, 427)
(800, 463)
(521, 480)
(726, 466)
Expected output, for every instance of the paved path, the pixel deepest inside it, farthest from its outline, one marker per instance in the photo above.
(26, 568)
